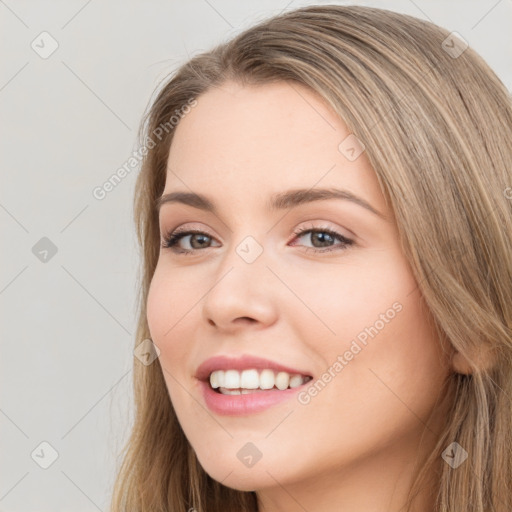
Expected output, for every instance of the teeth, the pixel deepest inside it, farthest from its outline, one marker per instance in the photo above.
(233, 382)
(249, 379)
(231, 379)
(282, 380)
(295, 381)
(267, 379)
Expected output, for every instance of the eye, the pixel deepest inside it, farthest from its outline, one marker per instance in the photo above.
(323, 236)
(199, 240)
(198, 237)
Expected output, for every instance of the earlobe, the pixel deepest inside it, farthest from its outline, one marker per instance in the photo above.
(460, 364)
(483, 361)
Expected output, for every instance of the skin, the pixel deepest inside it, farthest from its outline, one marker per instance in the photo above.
(355, 444)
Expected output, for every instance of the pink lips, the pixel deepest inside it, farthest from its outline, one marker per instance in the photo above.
(236, 405)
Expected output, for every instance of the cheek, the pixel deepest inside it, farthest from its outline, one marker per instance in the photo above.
(405, 348)
(168, 309)
(382, 330)
(412, 359)
(351, 297)
(158, 308)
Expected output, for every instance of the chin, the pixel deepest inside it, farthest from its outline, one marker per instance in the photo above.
(236, 476)
(240, 479)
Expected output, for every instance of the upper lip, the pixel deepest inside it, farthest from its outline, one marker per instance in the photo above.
(244, 362)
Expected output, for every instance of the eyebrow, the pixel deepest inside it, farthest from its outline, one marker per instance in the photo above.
(280, 201)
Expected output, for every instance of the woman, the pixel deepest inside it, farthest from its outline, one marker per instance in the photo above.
(325, 216)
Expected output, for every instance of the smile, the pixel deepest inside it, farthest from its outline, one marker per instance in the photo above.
(234, 382)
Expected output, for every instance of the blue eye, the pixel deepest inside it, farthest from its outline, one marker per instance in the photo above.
(319, 235)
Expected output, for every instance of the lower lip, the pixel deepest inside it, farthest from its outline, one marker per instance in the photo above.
(240, 405)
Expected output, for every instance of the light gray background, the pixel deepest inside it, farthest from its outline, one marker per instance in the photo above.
(68, 122)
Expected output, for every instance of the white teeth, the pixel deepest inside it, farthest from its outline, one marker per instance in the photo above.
(249, 379)
(216, 378)
(295, 381)
(233, 382)
(231, 379)
(282, 380)
(267, 380)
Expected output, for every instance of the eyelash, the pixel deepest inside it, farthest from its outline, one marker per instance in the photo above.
(171, 239)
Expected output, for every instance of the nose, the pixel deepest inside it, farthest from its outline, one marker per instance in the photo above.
(243, 293)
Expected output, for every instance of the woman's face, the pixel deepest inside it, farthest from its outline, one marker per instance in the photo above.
(339, 304)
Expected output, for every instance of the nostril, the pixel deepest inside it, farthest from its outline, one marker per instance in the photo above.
(245, 319)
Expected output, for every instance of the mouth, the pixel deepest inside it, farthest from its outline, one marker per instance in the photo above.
(247, 384)
(253, 380)
(235, 393)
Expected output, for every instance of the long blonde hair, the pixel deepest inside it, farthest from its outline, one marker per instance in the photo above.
(436, 123)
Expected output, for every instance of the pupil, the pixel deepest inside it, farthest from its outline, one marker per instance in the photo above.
(198, 236)
(322, 235)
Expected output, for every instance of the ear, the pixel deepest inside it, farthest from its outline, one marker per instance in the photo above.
(460, 364)
(484, 359)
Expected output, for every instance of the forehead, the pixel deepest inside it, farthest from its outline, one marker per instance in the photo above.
(256, 140)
